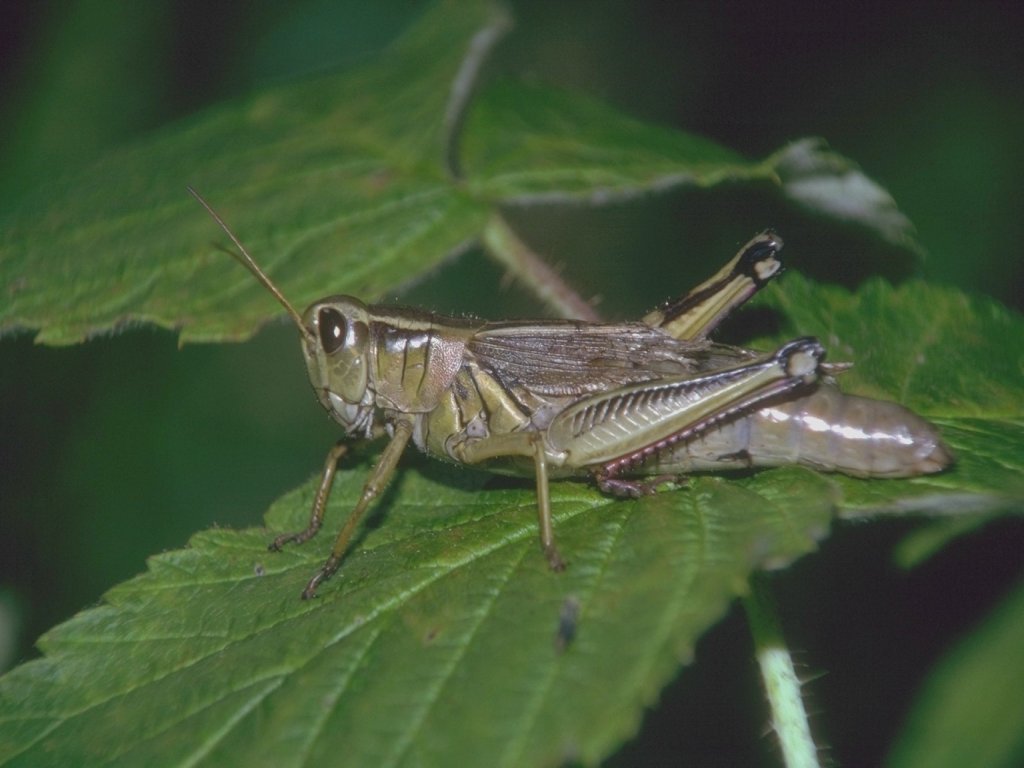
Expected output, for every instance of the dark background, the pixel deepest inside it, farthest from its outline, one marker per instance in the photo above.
(123, 447)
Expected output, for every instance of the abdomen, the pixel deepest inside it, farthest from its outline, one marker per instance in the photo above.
(826, 430)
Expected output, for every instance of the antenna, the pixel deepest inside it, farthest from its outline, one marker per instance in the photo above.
(249, 263)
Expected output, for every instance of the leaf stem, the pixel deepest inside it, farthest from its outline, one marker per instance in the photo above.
(465, 81)
(789, 718)
(539, 278)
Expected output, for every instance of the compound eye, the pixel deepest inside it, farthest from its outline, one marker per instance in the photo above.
(333, 329)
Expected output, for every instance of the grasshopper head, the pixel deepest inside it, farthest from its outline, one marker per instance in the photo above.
(335, 334)
(336, 346)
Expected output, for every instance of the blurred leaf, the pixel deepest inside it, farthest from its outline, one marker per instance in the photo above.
(336, 185)
(337, 181)
(971, 709)
(529, 144)
(10, 626)
(830, 184)
(61, 119)
(921, 544)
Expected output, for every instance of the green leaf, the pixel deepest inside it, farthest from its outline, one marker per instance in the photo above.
(443, 604)
(920, 344)
(338, 181)
(970, 710)
(920, 545)
(343, 184)
(436, 642)
(529, 144)
(398, 661)
(956, 359)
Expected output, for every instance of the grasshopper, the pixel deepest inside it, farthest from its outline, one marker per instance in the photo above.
(630, 405)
